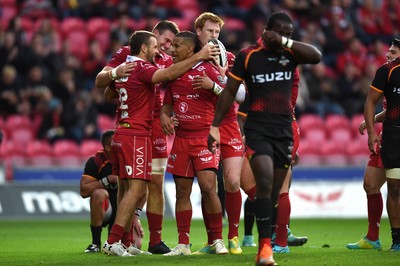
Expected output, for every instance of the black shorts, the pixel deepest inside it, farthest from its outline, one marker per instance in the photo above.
(275, 142)
(390, 151)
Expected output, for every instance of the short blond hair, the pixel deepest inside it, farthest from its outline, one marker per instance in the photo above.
(201, 20)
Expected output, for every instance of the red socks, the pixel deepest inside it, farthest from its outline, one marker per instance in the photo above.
(233, 206)
(155, 227)
(183, 222)
(375, 208)
(282, 221)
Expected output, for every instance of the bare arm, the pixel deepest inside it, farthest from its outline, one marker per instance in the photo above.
(369, 116)
(305, 53)
(167, 122)
(108, 74)
(88, 185)
(178, 69)
(110, 94)
(378, 119)
(225, 101)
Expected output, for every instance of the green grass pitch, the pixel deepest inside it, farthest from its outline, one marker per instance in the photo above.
(63, 242)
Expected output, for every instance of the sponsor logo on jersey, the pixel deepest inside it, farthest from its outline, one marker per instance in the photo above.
(268, 77)
(183, 107)
(139, 161)
(206, 159)
(284, 61)
(203, 152)
(192, 96)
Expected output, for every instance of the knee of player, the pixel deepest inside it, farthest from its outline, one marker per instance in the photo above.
(99, 195)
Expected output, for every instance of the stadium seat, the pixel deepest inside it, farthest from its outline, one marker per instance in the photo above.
(183, 23)
(358, 153)
(40, 154)
(104, 122)
(89, 148)
(333, 154)
(78, 43)
(315, 135)
(16, 154)
(98, 24)
(234, 24)
(341, 136)
(72, 24)
(309, 154)
(355, 122)
(14, 122)
(334, 121)
(99, 29)
(310, 121)
(135, 24)
(67, 154)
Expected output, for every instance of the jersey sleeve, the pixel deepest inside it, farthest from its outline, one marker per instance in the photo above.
(238, 70)
(91, 169)
(119, 57)
(147, 72)
(380, 80)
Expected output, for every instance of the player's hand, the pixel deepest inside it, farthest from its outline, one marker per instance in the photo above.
(124, 70)
(138, 232)
(213, 139)
(175, 121)
(208, 52)
(202, 82)
(167, 125)
(362, 127)
(222, 69)
(272, 38)
(373, 140)
(113, 180)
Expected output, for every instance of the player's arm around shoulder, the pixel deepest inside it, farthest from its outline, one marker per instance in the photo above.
(176, 70)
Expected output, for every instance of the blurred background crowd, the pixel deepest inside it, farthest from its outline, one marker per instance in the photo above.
(51, 51)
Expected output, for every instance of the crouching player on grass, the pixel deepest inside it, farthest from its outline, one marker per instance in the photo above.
(100, 185)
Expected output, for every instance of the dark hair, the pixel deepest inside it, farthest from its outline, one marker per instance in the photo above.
(396, 42)
(192, 37)
(137, 39)
(164, 25)
(278, 16)
(106, 137)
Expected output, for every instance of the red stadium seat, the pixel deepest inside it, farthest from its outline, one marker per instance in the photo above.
(341, 136)
(309, 154)
(333, 154)
(310, 121)
(14, 122)
(89, 148)
(15, 153)
(66, 153)
(316, 135)
(104, 122)
(98, 24)
(40, 154)
(78, 43)
(72, 24)
(333, 121)
(358, 153)
(355, 122)
(234, 24)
